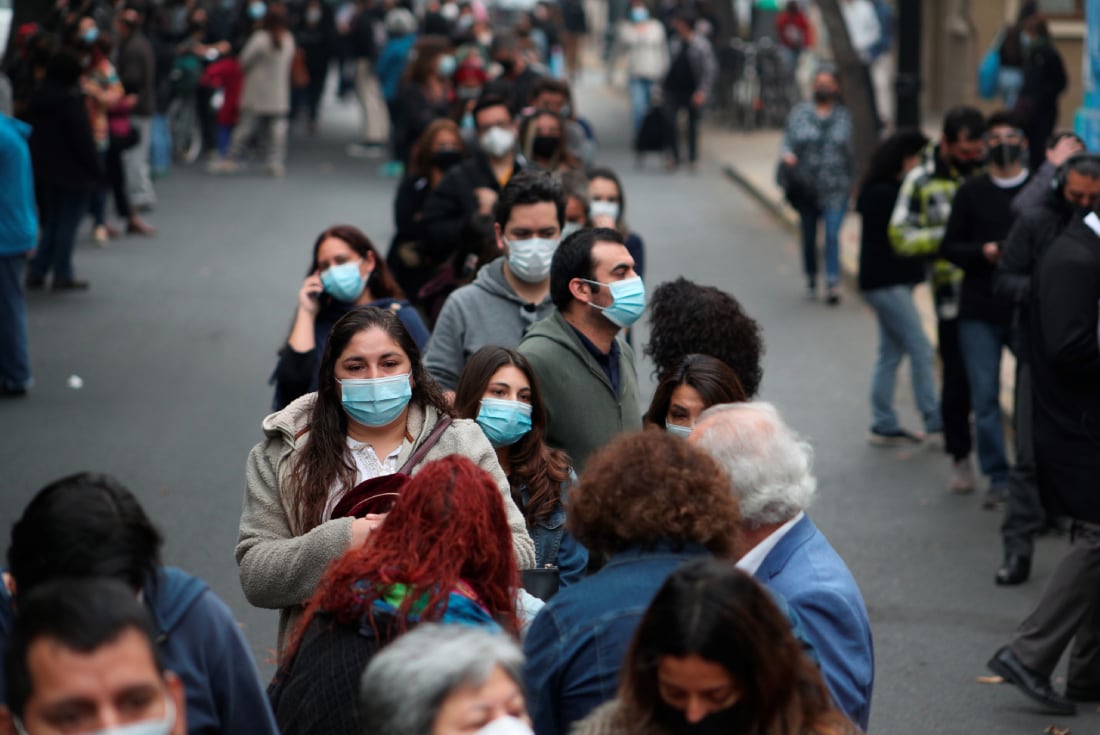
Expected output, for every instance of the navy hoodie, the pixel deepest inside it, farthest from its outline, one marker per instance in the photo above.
(200, 641)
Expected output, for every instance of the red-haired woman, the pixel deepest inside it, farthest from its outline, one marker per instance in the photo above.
(346, 272)
(443, 555)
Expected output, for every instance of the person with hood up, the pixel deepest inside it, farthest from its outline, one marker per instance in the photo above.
(89, 525)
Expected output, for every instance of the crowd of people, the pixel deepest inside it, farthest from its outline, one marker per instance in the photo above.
(458, 507)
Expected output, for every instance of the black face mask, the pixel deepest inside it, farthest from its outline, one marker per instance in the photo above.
(722, 722)
(445, 159)
(1005, 154)
(545, 146)
(507, 65)
(821, 96)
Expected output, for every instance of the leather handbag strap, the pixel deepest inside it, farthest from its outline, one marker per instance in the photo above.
(426, 447)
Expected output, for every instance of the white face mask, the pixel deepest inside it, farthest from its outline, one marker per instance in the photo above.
(497, 141)
(529, 260)
(570, 228)
(506, 726)
(163, 726)
(604, 209)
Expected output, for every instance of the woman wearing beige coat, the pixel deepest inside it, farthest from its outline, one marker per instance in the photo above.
(375, 406)
(265, 101)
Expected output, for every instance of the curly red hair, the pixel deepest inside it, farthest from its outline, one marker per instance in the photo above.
(448, 525)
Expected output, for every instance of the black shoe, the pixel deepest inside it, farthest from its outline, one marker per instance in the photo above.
(35, 283)
(1015, 570)
(9, 392)
(1033, 684)
(1082, 694)
(895, 438)
(69, 284)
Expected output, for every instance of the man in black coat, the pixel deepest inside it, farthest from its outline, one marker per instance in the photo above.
(472, 186)
(1066, 365)
(1075, 192)
(137, 71)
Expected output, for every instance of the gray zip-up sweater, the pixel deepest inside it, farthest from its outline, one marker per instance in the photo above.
(280, 565)
(583, 411)
(485, 312)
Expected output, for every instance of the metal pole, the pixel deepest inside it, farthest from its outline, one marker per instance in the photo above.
(907, 83)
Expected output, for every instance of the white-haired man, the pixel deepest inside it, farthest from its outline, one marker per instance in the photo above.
(769, 468)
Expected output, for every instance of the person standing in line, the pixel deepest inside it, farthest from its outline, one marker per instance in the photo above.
(1066, 364)
(374, 122)
(916, 229)
(817, 150)
(511, 293)
(584, 365)
(642, 38)
(1044, 81)
(981, 217)
(1075, 191)
(316, 36)
(886, 281)
(137, 71)
(18, 236)
(67, 170)
(688, 83)
(103, 92)
(265, 103)
(1010, 75)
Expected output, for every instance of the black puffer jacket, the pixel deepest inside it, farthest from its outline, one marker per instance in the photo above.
(63, 150)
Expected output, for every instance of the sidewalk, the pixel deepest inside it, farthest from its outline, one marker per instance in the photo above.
(749, 159)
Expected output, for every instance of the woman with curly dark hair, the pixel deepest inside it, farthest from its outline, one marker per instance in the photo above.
(696, 384)
(649, 501)
(375, 412)
(443, 555)
(714, 653)
(499, 390)
(686, 318)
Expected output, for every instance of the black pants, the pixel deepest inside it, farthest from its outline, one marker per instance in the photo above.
(955, 400)
(1024, 515)
(674, 102)
(116, 175)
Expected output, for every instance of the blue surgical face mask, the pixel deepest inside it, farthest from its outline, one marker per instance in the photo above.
(89, 36)
(627, 301)
(639, 14)
(257, 10)
(163, 726)
(447, 65)
(604, 209)
(529, 260)
(504, 422)
(344, 282)
(375, 401)
(676, 430)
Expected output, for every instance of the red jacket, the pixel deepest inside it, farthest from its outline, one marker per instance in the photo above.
(226, 74)
(794, 30)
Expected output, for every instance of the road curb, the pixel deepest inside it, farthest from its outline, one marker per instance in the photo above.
(779, 210)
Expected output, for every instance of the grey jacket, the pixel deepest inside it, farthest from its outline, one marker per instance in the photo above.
(280, 565)
(137, 71)
(583, 412)
(266, 74)
(702, 59)
(485, 312)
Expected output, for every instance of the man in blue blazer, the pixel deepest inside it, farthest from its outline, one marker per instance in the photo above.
(769, 469)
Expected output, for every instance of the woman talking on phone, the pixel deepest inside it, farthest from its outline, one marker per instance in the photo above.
(346, 272)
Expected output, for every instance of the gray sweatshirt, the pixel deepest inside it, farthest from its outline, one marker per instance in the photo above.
(485, 312)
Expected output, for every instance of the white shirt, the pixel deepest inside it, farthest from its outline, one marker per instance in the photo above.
(367, 467)
(1093, 222)
(751, 561)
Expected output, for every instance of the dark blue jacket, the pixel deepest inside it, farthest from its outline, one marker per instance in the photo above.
(554, 545)
(806, 571)
(200, 641)
(576, 644)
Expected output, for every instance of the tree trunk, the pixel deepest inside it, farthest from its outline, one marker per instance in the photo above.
(857, 93)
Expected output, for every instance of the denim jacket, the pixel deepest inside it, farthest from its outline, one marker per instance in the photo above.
(575, 646)
(554, 545)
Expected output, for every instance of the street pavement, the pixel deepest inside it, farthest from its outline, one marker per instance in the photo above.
(174, 343)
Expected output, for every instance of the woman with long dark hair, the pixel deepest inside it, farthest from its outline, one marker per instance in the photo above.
(607, 208)
(714, 653)
(886, 281)
(498, 389)
(346, 272)
(696, 384)
(424, 93)
(542, 139)
(376, 413)
(265, 102)
(443, 555)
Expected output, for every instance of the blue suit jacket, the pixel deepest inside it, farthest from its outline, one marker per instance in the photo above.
(806, 570)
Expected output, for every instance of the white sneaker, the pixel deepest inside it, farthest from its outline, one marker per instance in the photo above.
(962, 477)
(223, 166)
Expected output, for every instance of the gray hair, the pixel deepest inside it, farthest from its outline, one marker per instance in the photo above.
(407, 682)
(769, 466)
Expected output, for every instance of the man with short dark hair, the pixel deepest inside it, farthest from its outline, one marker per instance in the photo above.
(472, 187)
(81, 659)
(512, 292)
(137, 72)
(981, 217)
(584, 366)
(691, 73)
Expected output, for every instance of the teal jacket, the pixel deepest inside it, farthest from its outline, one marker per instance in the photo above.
(583, 411)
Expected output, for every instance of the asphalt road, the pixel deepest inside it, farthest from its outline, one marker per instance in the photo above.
(177, 337)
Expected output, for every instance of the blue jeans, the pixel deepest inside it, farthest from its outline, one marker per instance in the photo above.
(641, 95)
(15, 367)
(982, 344)
(60, 212)
(900, 333)
(834, 218)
